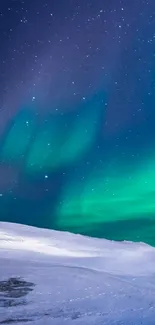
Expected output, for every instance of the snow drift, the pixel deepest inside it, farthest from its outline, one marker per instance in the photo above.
(50, 277)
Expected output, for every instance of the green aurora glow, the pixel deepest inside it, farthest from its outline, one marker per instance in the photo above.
(101, 193)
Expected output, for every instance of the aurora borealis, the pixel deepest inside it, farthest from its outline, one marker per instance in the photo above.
(77, 116)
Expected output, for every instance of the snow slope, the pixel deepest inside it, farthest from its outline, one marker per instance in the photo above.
(59, 278)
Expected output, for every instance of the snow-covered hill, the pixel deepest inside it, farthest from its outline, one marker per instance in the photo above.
(49, 277)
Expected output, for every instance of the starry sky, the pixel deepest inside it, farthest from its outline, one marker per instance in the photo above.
(77, 116)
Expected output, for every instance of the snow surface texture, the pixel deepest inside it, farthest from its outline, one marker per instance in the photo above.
(49, 277)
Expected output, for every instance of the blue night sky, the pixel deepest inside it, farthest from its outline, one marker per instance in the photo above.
(77, 97)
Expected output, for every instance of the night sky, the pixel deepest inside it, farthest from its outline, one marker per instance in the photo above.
(77, 116)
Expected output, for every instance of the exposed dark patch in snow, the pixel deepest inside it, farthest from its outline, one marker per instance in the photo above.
(12, 292)
(14, 321)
